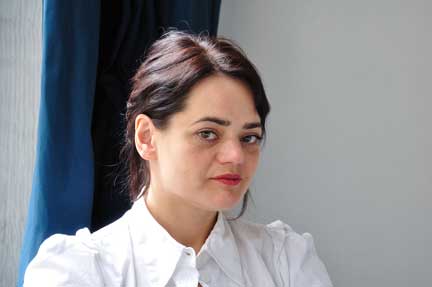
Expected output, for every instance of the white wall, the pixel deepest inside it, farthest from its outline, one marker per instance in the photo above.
(20, 53)
(349, 153)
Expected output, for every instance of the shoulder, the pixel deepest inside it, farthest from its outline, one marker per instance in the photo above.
(272, 235)
(64, 260)
(76, 260)
(291, 255)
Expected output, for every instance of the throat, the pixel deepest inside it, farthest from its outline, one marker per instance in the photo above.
(190, 227)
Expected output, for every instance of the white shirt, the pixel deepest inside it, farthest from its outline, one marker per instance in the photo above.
(136, 250)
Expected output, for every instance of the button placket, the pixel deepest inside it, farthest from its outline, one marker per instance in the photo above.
(186, 273)
(204, 272)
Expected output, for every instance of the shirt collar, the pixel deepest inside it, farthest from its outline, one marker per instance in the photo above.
(222, 247)
(157, 252)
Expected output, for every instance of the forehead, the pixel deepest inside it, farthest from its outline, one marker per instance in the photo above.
(220, 96)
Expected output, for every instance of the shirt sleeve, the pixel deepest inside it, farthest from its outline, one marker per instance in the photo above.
(297, 259)
(65, 261)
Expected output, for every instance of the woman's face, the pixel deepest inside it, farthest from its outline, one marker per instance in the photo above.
(217, 133)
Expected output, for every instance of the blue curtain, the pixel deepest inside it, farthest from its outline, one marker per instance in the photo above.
(90, 51)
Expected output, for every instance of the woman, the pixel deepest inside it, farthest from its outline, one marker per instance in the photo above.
(195, 122)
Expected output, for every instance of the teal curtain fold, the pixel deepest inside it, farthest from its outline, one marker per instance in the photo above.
(62, 194)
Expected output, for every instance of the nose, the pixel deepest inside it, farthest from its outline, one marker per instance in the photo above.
(231, 152)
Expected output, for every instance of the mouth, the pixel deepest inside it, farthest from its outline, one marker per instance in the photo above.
(228, 179)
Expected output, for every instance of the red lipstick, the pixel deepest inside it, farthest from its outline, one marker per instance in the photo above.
(228, 178)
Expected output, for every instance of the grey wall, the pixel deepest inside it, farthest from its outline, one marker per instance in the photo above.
(20, 52)
(349, 153)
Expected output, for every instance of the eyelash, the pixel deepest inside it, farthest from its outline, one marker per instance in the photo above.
(200, 133)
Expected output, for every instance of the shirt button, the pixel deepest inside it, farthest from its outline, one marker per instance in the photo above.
(188, 252)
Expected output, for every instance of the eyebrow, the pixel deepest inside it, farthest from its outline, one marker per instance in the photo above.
(224, 122)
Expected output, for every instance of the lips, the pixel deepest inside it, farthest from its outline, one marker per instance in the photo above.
(228, 179)
(231, 176)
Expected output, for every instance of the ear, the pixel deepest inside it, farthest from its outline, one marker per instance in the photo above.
(144, 137)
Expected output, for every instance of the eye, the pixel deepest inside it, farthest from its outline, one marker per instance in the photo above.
(207, 135)
(252, 139)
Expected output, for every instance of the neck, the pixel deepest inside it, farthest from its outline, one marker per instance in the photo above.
(187, 224)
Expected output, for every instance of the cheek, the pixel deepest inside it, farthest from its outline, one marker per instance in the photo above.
(190, 163)
(198, 161)
(252, 162)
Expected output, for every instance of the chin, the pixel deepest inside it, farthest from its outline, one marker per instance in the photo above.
(227, 201)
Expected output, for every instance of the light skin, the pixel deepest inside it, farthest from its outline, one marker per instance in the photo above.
(218, 132)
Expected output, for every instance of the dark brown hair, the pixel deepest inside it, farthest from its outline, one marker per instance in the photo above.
(173, 64)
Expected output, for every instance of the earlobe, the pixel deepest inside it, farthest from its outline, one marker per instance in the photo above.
(144, 133)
